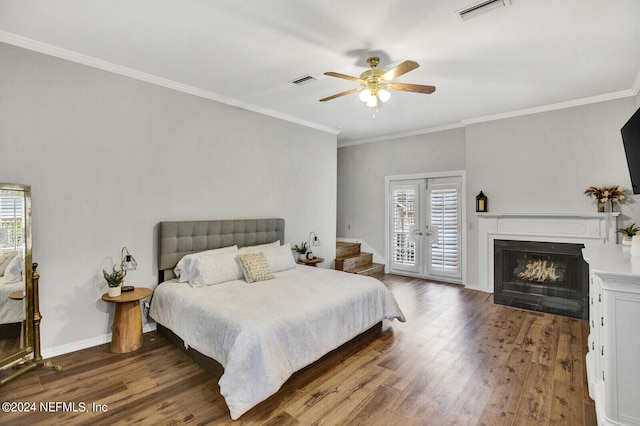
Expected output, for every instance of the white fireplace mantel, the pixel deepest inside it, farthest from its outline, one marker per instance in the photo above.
(577, 228)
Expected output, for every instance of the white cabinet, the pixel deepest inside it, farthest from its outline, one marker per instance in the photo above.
(613, 360)
(594, 356)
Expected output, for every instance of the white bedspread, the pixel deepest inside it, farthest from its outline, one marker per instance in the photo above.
(263, 332)
(11, 310)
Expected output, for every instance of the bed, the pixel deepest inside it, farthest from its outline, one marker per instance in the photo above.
(12, 310)
(259, 332)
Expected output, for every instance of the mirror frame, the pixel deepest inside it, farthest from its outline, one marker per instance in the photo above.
(28, 276)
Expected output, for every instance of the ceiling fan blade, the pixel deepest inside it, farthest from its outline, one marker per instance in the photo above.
(403, 68)
(346, 77)
(417, 88)
(348, 92)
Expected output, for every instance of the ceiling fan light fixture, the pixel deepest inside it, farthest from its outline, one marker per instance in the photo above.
(384, 95)
(375, 84)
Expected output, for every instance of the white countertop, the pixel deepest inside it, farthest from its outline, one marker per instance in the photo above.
(612, 259)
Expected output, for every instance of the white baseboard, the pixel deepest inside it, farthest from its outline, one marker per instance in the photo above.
(476, 287)
(87, 343)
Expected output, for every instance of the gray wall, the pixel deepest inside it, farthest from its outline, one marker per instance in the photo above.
(108, 157)
(544, 162)
(534, 163)
(362, 169)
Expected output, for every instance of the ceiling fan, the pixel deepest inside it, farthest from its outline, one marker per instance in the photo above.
(375, 84)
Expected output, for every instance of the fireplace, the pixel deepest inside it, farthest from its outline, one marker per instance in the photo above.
(541, 276)
(576, 228)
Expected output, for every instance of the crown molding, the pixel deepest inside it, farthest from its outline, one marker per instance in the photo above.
(552, 107)
(47, 49)
(636, 85)
(345, 143)
(89, 61)
(545, 108)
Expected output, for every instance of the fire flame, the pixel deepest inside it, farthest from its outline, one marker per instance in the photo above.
(538, 270)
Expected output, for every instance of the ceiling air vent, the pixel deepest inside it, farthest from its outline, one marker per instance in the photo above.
(482, 7)
(303, 80)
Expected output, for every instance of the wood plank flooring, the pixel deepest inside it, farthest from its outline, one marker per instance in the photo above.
(458, 360)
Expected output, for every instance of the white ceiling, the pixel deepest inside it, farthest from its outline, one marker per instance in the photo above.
(527, 56)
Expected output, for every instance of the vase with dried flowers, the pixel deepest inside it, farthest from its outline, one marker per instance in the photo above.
(606, 196)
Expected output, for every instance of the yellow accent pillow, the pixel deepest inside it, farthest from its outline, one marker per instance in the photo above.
(255, 267)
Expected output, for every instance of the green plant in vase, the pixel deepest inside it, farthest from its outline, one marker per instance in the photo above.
(114, 281)
(300, 249)
(628, 233)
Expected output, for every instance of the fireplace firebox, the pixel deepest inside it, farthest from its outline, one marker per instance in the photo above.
(541, 276)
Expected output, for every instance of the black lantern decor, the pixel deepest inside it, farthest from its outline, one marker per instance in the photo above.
(481, 203)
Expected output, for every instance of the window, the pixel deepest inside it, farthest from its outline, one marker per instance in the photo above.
(11, 219)
(404, 218)
(445, 221)
(424, 226)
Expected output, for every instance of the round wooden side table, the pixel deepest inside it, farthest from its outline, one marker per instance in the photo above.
(126, 332)
(16, 295)
(311, 262)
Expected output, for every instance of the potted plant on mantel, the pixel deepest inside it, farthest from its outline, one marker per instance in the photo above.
(114, 281)
(628, 233)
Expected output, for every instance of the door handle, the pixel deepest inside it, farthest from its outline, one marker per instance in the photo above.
(432, 233)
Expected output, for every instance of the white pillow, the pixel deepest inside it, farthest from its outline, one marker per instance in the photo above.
(13, 273)
(260, 247)
(5, 259)
(215, 269)
(185, 265)
(280, 258)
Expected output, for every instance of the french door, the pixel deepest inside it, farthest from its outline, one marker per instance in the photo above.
(425, 224)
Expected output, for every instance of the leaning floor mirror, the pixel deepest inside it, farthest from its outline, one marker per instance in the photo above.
(19, 310)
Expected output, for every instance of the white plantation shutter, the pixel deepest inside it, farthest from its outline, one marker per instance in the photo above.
(404, 217)
(445, 220)
(424, 225)
(404, 209)
(11, 217)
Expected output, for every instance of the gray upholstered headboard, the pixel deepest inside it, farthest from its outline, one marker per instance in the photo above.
(176, 239)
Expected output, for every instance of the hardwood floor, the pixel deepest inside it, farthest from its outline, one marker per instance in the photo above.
(458, 360)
